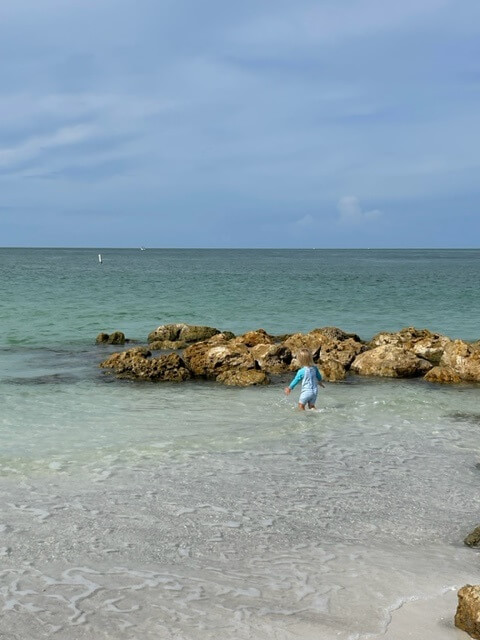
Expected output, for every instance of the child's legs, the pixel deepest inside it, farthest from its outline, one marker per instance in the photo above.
(307, 397)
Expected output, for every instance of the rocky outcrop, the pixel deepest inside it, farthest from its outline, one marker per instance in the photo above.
(272, 358)
(443, 375)
(179, 336)
(421, 342)
(254, 338)
(243, 377)
(391, 362)
(137, 364)
(473, 538)
(207, 360)
(117, 337)
(463, 358)
(333, 371)
(467, 616)
(213, 355)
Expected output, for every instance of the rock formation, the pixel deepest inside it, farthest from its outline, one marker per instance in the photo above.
(467, 616)
(251, 358)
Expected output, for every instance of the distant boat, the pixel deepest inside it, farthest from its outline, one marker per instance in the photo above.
(142, 248)
(100, 258)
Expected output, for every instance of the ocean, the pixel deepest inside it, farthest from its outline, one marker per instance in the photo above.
(196, 511)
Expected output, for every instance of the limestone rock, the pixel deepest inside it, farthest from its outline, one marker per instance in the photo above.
(422, 342)
(328, 343)
(179, 335)
(467, 616)
(273, 358)
(253, 338)
(473, 538)
(334, 333)
(463, 358)
(391, 362)
(117, 337)
(136, 364)
(333, 371)
(209, 359)
(243, 378)
(443, 375)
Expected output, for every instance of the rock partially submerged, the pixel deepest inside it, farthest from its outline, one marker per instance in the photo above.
(205, 352)
(137, 364)
(390, 361)
(467, 616)
(117, 337)
(473, 538)
(179, 335)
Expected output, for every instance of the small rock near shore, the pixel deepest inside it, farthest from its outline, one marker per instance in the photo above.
(467, 616)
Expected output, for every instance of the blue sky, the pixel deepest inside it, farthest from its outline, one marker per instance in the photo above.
(175, 123)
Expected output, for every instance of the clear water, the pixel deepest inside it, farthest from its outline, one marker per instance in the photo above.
(198, 511)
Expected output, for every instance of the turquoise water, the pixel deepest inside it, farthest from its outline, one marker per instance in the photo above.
(197, 511)
(51, 296)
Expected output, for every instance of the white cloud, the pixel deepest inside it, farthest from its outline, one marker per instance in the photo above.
(305, 222)
(35, 145)
(351, 213)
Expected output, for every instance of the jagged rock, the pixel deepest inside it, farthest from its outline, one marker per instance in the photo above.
(473, 538)
(334, 333)
(253, 338)
(443, 375)
(243, 378)
(463, 358)
(391, 362)
(117, 337)
(422, 342)
(136, 364)
(273, 358)
(179, 335)
(333, 370)
(344, 351)
(310, 341)
(208, 359)
(467, 616)
(328, 343)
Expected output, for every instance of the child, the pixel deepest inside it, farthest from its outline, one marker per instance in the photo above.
(310, 377)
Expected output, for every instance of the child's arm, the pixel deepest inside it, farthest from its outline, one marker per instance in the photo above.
(295, 381)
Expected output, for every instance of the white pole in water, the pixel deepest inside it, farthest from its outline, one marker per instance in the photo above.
(100, 258)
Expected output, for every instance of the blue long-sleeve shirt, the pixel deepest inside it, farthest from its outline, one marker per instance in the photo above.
(309, 377)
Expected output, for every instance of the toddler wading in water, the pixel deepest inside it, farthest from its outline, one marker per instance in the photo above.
(310, 377)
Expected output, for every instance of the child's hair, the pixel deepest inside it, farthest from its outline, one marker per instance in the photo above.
(305, 358)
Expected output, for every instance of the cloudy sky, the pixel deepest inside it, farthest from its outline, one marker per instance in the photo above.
(261, 123)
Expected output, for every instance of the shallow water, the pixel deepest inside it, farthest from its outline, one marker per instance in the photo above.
(198, 511)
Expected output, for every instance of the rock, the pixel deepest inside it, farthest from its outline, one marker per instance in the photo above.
(243, 378)
(178, 336)
(443, 375)
(333, 371)
(391, 362)
(333, 333)
(473, 538)
(344, 352)
(467, 616)
(253, 338)
(117, 337)
(328, 343)
(136, 364)
(298, 341)
(272, 358)
(422, 342)
(209, 359)
(463, 358)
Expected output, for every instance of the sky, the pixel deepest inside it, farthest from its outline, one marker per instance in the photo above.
(261, 123)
